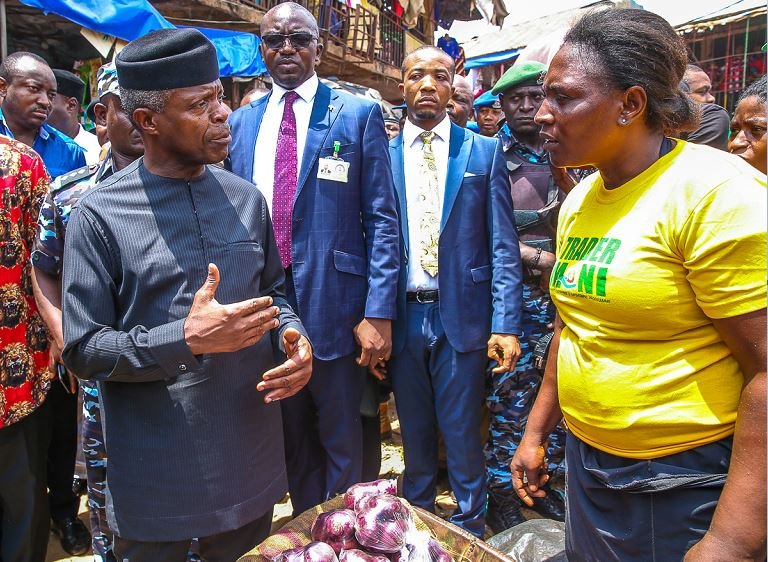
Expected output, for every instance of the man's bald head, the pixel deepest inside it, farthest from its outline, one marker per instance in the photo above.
(290, 44)
(460, 107)
(21, 63)
(430, 50)
(462, 83)
(27, 91)
(290, 10)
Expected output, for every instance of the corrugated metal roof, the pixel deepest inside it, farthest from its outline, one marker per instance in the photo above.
(518, 35)
(732, 13)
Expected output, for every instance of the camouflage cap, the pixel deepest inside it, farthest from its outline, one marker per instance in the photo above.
(106, 80)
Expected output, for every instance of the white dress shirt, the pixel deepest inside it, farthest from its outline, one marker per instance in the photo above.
(266, 141)
(90, 144)
(418, 279)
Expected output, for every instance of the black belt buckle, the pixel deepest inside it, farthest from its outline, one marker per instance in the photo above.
(423, 297)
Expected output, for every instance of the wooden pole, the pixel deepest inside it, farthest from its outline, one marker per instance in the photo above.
(3, 31)
(727, 68)
(744, 65)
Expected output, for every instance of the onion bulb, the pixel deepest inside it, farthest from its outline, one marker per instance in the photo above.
(335, 528)
(359, 491)
(382, 522)
(313, 552)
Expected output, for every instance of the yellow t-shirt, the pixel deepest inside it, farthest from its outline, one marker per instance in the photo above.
(641, 269)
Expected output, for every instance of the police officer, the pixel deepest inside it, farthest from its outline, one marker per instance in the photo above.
(536, 199)
(126, 146)
(488, 114)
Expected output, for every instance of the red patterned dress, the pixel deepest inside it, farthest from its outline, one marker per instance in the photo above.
(24, 374)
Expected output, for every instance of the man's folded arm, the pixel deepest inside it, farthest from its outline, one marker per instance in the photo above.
(94, 349)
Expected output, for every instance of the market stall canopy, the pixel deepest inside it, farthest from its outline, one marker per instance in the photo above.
(729, 14)
(129, 19)
(504, 45)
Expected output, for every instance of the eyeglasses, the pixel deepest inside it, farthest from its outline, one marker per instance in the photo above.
(299, 40)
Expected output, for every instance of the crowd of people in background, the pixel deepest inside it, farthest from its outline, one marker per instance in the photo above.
(577, 255)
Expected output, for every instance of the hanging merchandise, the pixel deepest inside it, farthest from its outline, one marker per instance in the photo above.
(412, 9)
(499, 12)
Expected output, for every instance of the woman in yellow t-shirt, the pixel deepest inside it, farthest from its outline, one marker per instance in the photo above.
(658, 361)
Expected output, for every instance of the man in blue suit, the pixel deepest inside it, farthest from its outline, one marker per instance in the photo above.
(320, 157)
(459, 295)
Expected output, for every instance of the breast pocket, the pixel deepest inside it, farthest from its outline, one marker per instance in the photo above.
(346, 148)
(349, 263)
(481, 274)
(241, 271)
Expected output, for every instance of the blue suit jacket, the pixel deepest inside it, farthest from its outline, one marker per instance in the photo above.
(479, 267)
(345, 251)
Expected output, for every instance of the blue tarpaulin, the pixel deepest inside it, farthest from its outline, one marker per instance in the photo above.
(486, 60)
(238, 52)
(130, 19)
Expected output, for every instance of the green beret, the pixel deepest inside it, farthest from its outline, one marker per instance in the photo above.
(524, 74)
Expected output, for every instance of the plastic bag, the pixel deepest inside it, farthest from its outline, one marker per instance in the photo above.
(313, 552)
(335, 528)
(359, 491)
(537, 540)
(356, 555)
(381, 523)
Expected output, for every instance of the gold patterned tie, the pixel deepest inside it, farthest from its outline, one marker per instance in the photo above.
(429, 206)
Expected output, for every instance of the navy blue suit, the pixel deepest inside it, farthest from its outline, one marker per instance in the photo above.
(345, 266)
(438, 369)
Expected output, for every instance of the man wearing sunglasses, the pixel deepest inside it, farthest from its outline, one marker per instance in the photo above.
(321, 159)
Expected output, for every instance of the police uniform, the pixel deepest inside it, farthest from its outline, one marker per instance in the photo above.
(510, 398)
(47, 257)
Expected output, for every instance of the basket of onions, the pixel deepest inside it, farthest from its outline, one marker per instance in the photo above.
(375, 526)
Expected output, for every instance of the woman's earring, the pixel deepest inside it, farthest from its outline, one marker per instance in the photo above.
(622, 120)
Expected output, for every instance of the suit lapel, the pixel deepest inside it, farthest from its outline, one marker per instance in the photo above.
(325, 110)
(398, 175)
(459, 147)
(250, 133)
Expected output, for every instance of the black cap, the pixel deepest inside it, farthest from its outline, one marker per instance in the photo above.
(69, 84)
(89, 111)
(166, 59)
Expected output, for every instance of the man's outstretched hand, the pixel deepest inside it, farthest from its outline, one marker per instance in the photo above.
(287, 379)
(211, 327)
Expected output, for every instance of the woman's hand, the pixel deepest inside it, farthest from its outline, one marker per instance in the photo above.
(529, 471)
(738, 529)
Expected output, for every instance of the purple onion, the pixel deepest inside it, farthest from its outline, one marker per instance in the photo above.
(356, 555)
(359, 491)
(292, 555)
(437, 553)
(335, 528)
(382, 522)
(313, 552)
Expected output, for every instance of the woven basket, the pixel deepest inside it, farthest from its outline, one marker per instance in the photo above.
(463, 546)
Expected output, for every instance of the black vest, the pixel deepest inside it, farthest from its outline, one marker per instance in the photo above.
(536, 226)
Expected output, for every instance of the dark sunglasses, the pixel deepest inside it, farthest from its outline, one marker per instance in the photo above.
(299, 40)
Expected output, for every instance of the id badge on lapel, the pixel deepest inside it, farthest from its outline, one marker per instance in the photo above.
(333, 168)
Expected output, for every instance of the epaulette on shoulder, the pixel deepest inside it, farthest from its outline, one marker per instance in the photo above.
(75, 176)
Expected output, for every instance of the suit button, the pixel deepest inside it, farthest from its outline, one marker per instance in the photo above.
(182, 367)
